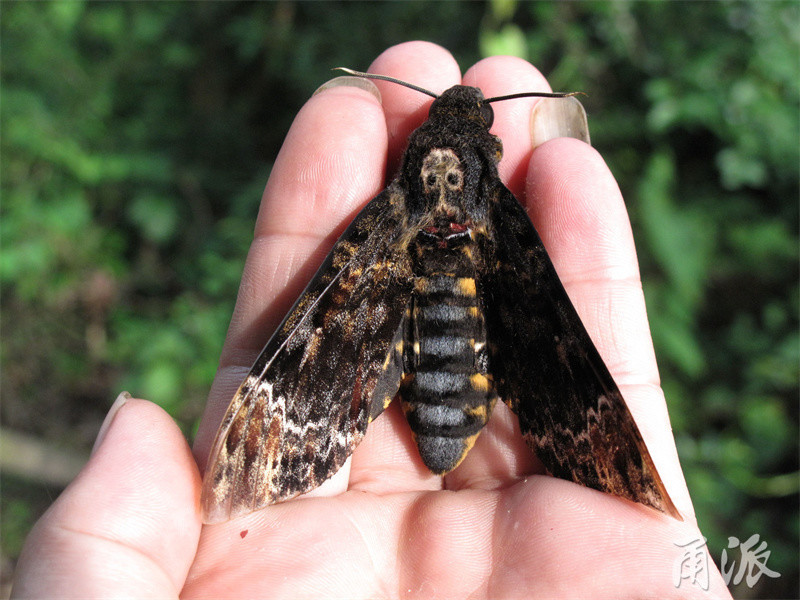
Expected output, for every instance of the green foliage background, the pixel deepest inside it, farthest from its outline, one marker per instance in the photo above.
(136, 139)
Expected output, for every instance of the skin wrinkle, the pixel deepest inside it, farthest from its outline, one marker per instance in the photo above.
(269, 234)
(609, 318)
(446, 521)
(399, 467)
(567, 212)
(137, 551)
(334, 200)
(289, 265)
(506, 459)
(628, 355)
(645, 398)
(260, 289)
(575, 281)
(369, 550)
(251, 293)
(599, 306)
(588, 264)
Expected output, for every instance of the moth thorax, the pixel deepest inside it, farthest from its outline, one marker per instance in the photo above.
(447, 392)
(442, 177)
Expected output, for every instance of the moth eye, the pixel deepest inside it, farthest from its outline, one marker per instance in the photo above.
(431, 180)
(487, 113)
(454, 179)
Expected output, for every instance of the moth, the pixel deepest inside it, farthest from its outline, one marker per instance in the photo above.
(440, 292)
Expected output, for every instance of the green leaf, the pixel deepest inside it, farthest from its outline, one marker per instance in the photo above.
(508, 41)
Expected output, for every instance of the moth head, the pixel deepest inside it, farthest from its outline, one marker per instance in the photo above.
(460, 100)
(463, 102)
(453, 153)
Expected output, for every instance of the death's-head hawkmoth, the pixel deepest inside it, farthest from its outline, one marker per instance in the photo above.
(440, 291)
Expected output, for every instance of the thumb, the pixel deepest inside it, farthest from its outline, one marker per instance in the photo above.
(129, 524)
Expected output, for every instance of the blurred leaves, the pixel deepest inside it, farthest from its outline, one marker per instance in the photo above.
(136, 139)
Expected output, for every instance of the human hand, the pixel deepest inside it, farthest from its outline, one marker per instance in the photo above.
(383, 525)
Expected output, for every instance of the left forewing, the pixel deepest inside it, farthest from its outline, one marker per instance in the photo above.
(308, 398)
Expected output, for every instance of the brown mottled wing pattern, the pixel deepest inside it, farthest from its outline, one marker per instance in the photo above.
(328, 370)
(549, 372)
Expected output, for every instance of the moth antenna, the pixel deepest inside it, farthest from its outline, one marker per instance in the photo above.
(385, 78)
(534, 95)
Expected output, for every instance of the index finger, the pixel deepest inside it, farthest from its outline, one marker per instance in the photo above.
(330, 164)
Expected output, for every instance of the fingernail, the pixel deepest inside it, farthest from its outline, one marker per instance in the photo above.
(350, 81)
(558, 117)
(112, 412)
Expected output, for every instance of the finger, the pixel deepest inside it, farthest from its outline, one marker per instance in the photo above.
(387, 460)
(330, 165)
(500, 454)
(498, 76)
(579, 212)
(128, 525)
(424, 64)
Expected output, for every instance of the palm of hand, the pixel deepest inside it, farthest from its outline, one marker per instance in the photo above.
(396, 533)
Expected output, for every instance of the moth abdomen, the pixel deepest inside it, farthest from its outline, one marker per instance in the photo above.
(447, 393)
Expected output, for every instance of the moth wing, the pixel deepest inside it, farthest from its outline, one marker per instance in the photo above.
(549, 372)
(330, 368)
